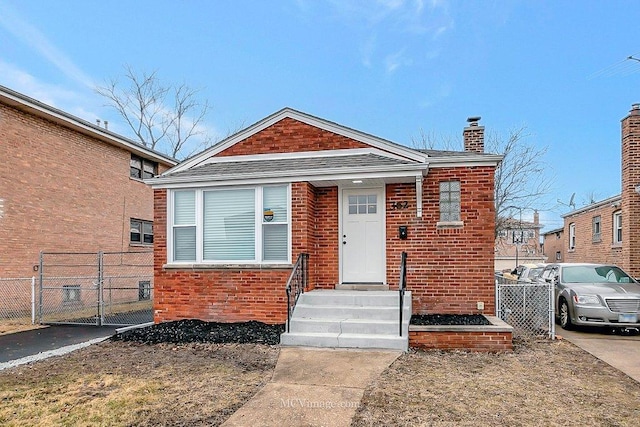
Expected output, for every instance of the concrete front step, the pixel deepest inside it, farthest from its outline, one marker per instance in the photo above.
(348, 326)
(336, 340)
(349, 319)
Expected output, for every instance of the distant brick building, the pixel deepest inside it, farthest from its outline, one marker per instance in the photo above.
(553, 246)
(607, 231)
(68, 185)
(518, 242)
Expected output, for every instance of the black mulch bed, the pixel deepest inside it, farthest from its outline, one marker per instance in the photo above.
(190, 331)
(449, 319)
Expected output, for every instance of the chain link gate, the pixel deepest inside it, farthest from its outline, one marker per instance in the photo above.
(103, 288)
(527, 307)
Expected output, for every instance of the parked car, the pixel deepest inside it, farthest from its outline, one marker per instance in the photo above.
(528, 273)
(594, 295)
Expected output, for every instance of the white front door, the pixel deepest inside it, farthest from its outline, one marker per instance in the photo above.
(363, 235)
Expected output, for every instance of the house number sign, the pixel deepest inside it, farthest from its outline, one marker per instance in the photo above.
(398, 206)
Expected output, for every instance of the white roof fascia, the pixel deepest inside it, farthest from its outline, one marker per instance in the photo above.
(302, 155)
(58, 116)
(610, 200)
(462, 161)
(310, 120)
(290, 176)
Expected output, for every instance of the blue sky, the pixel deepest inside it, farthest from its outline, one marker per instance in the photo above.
(388, 67)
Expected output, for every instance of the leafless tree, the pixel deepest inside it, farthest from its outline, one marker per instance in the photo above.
(521, 179)
(166, 118)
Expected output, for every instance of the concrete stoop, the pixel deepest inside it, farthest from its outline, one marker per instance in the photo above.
(349, 319)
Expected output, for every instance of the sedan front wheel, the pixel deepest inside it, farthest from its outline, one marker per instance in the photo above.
(565, 317)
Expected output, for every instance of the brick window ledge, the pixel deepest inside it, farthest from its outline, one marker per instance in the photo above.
(616, 246)
(449, 224)
(203, 266)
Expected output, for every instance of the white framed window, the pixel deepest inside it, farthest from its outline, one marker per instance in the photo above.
(558, 256)
(230, 225)
(617, 227)
(572, 236)
(450, 201)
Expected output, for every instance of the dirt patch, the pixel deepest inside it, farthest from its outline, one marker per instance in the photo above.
(540, 383)
(449, 319)
(123, 383)
(9, 327)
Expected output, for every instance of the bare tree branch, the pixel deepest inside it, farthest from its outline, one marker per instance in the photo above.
(169, 119)
(521, 179)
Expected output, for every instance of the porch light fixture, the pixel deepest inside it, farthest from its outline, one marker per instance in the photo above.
(357, 181)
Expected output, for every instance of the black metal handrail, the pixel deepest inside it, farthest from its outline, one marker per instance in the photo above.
(402, 285)
(296, 284)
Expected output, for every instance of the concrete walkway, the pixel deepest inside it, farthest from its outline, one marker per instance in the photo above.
(621, 352)
(313, 387)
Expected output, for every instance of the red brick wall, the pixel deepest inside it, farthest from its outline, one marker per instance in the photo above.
(587, 249)
(448, 270)
(555, 243)
(62, 191)
(299, 136)
(631, 199)
(470, 341)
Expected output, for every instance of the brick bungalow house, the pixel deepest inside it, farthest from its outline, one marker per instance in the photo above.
(68, 185)
(232, 220)
(606, 231)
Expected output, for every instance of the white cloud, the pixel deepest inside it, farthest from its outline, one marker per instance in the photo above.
(396, 60)
(37, 41)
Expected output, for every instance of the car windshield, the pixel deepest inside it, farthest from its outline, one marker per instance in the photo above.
(594, 274)
(534, 272)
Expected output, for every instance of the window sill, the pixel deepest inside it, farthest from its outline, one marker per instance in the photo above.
(141, 245)
(449, 224)
(571, 250)
(204, 266)
(616, 245)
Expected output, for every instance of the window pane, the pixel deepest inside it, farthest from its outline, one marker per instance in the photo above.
(136, 163)
(149, 167)
(275, 199)
(184, 207)
(362, 200)
(134, 231)
(372, 199)
(229, 225)
(353, 209)
(372, 209)
(184, 244)
(135, 173)
(454, 185)
(275, 242)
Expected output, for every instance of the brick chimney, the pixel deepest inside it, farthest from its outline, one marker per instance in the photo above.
(630, 198)
(473, 136)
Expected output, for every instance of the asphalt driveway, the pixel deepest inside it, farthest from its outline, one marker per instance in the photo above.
(620, 351)
(30, 343)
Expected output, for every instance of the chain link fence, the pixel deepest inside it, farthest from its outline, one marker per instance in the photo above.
(104, 288)
(527, 307)
(17, 301)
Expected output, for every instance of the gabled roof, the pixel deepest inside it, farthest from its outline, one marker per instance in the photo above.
(32, 106)
(382, 159)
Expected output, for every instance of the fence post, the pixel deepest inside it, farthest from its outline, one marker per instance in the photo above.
(33, 300)
(100, 317)
(40, 269)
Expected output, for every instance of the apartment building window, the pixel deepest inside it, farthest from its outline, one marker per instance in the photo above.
(450, 201)
(596, 223)
(142, 168)
(572, 236)
(141, 232)
(558, 256)
(70, 293)
(617, 227)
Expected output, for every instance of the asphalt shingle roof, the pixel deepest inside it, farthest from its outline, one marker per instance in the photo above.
(290, 164)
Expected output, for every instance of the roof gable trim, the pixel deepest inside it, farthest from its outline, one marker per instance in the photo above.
(371, 140)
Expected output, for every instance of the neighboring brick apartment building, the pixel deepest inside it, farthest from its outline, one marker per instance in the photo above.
(68, 185)
(231, 221)
(553, 246)
(607, 231)
(518, 242)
